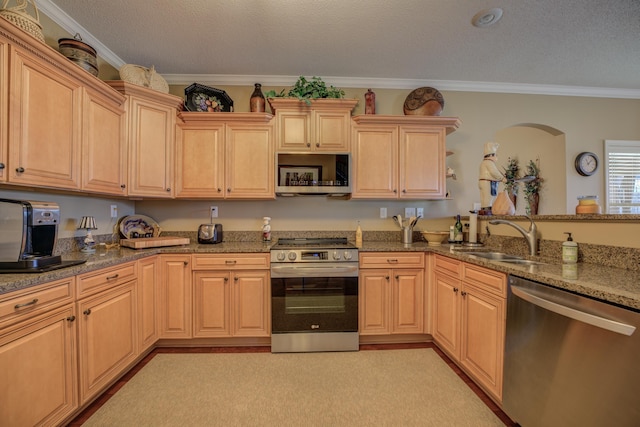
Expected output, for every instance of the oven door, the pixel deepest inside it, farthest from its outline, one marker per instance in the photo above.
(314, 302)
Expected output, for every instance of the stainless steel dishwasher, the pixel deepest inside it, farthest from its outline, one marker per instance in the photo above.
(569, 360)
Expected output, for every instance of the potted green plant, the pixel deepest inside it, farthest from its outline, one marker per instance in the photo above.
(306, 90)
(511, 175)
(532, 187)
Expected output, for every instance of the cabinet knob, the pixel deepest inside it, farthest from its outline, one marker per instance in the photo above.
(463, 293)
(235, 278)
(317, 144)
(20, 169)
(395, 191)
(455, 290)
(186, 262)
(1, 165)
(219, 190)
(168, 190)
(228, 190)
(123, 186)
(404, 191)
(87, 312)
(71, 318)
(226, 279)
(397, 277)
(386, 277)
(308, 144)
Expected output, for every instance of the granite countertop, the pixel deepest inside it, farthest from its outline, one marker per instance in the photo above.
(615, 285)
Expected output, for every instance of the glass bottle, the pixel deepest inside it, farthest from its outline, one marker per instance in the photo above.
(457, 230)
(256, 102)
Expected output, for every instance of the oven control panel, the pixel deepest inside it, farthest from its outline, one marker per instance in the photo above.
(314, 255)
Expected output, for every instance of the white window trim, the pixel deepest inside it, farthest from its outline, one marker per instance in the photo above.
(621, 146)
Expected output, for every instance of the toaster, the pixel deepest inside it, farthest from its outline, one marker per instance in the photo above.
(210, 233)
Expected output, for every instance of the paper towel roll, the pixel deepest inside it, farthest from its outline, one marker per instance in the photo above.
(473, 227)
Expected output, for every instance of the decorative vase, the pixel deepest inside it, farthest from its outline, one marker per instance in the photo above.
(533, 200)
(370, 102)
(256, 102)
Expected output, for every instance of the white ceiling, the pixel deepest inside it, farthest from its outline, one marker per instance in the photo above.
(581, 47)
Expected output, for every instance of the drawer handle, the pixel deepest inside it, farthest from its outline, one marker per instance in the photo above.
(230, 261)
(115, 276)
(71, 318)
(393, 261)
(26, 304)
(87, 312)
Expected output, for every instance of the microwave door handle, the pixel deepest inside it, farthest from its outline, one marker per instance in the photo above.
(581, 316)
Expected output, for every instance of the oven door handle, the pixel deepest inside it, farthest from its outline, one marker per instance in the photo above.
(324, 271)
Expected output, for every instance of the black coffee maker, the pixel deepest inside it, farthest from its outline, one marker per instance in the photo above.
(28, 235)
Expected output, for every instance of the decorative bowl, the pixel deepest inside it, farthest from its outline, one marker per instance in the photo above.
(435, 238)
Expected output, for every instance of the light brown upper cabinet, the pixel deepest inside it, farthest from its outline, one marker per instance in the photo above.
(227, 156)
(322, 125)
(151, 130)
(400, 157)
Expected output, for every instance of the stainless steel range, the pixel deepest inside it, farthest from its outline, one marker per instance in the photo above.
(314, 295)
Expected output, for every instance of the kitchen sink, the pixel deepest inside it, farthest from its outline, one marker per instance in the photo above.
(502, 257)
(495, 256)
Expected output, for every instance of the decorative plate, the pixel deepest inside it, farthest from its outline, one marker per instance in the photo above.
(424, 101)
(137, 226)
(202, 98)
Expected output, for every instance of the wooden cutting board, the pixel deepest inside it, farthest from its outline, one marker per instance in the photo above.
(154, 242)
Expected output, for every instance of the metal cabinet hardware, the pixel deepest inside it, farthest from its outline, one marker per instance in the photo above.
(26, 304)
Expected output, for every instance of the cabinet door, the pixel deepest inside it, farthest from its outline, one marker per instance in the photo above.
(211, 304)
(446, 314)
(200, 161)
(38, 368)
(250, 161)
(374, 301)
(482, 337)
(422, 162)
(294, 131)
(107, 337)
(148, 302)
(331, 131)
(375, 162)
(45, 124)
(104, 149)
(251, 303)
(408, 301)
(4, 107)
(175, 296)
(151, 131)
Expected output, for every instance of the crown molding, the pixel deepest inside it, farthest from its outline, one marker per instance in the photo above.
(67, 23)
(71, 26)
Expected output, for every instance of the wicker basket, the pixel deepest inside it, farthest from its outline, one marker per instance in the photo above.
(19, 17)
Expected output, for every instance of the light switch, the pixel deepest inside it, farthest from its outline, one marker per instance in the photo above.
(383, 213)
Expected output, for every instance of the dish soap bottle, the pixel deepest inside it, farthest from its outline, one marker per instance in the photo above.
(266, 229)
(457, 230)
(358, 236)
(569, 251)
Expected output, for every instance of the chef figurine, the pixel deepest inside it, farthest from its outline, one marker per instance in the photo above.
(489, 177)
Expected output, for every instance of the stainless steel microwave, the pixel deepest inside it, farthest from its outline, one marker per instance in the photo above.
(313, 174)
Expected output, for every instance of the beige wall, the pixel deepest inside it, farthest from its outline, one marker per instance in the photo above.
(584, 122)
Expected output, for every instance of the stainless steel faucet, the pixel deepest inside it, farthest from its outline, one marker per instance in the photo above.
(531, 235)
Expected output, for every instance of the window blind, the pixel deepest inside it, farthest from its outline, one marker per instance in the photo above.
(622, 175)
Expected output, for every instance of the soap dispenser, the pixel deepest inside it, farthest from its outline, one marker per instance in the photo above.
(358, 236)
(569, 251)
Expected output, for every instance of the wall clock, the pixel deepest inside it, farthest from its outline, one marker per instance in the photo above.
(586, 163)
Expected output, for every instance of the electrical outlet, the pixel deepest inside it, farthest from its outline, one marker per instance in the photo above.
(420, 212)
(409, 212)
(114, 211)
(213, 211)
(383, 213)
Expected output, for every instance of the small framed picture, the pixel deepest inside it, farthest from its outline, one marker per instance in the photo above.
(299, 175)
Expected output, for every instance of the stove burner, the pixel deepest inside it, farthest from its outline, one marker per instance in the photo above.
(310, 242)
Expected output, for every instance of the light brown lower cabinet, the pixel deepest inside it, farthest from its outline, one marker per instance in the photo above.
(391, 296)
(469, 318)
(175, 296)
(38, 369)
(107, 337)
(148, 302)
(232, 295)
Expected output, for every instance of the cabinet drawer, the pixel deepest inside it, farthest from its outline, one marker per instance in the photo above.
(230, 261)
(448, 265)
(392, 260)
(105, 278)
(484, 278)
(19, 305)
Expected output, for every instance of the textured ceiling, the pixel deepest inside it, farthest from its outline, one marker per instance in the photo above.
(588, 43)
